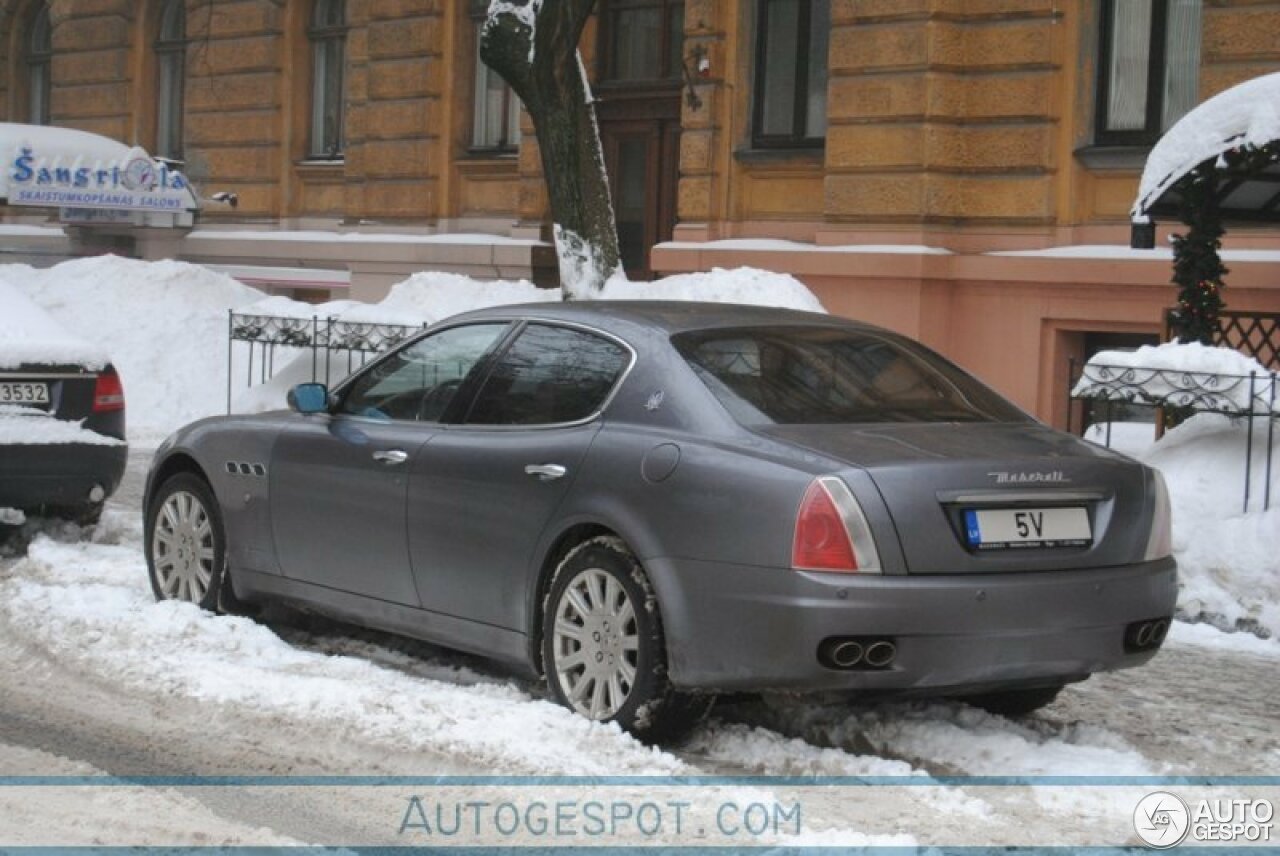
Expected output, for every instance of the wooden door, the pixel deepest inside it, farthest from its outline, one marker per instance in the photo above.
(638, 106)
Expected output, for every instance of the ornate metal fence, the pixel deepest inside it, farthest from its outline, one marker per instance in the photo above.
(329, 340)
(1248, 397)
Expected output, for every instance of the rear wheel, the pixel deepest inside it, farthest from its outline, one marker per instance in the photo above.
(1015, 703)
(603, 647)
(186, 545)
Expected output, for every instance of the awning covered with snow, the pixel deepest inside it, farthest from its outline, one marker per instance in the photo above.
(89, 177)
(1245, 115)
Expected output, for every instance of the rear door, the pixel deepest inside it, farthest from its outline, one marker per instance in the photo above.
(340, 480)
(484, 490)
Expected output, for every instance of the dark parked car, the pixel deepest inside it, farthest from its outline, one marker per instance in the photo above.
(62, 417)
(650, 503)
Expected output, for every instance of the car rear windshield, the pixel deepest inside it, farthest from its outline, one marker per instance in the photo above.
(825, 375)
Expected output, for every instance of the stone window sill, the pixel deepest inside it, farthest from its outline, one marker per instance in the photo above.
(1114, 158)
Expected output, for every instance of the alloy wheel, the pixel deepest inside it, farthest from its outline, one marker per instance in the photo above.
(183, 548)
(596, 644)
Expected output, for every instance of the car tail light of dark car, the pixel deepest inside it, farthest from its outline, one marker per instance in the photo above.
(831, 531)
(108, 392)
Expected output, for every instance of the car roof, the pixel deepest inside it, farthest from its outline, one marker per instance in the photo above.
(669, 316)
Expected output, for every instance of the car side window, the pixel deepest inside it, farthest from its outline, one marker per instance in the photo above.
(550, 375)
(417, 382)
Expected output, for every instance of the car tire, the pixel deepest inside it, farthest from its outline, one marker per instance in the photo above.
(600, 609)
(186, 545)
(1016, 703)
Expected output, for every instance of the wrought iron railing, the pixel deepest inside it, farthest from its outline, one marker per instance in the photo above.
(1248, 397)
(325, 338)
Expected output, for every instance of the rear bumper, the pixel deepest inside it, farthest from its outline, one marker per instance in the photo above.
(58, 474)
(747, 628)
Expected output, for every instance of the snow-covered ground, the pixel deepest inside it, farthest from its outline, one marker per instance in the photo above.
(86, 649)
(99, 672)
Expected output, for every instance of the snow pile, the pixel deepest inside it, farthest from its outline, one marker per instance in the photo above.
(1228, 560)
(89, 606)
(1244, 115)
(432, 296)
(1180, 374)
(164, 325)
(28, 334)
(740, 285)
(428, 297)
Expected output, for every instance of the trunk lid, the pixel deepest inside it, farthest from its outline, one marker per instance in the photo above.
(944, 484)
(63, 392)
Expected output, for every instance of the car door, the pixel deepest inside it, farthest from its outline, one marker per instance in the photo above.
(339, 480)
(482, 491)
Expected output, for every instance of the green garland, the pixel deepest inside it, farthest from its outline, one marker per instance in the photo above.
(1197, 263)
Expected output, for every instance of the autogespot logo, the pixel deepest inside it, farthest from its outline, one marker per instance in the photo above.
(1161, 820)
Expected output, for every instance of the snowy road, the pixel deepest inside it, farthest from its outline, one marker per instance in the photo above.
(100, 679)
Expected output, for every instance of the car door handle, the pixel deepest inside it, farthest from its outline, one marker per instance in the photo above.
(391, 457)
(545, 472)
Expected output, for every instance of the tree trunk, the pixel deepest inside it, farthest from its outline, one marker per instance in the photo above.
(533, 45)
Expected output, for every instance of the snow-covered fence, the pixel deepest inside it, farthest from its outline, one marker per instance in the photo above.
(1188, 377)
(353, 341)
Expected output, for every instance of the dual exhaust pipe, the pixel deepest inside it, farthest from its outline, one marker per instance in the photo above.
(1145, 635)
(866, 653)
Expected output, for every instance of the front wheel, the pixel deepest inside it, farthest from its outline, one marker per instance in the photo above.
(603, 647)
(186, 544)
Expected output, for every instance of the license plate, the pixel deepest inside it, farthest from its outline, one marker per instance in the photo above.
(1012, 528)
(24, 393)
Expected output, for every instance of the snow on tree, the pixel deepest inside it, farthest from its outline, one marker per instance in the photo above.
(533, 45)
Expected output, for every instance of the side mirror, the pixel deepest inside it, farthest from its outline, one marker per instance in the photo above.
(309, 398)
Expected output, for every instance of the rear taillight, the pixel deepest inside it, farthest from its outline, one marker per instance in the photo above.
(108, 392)
(831, 531)
(1160, 540)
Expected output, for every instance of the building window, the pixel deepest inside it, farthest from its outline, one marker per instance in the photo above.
(171, 61)
(39, 63)
(496, 125)
(1150, 63)
(791, 73)
(328, 35)
(643, 40)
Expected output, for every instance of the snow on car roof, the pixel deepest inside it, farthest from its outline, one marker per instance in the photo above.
(30, 336)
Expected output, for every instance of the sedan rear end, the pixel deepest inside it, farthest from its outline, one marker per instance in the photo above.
(62, 416)
(944, 542)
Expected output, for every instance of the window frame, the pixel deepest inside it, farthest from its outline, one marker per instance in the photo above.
(1157, 74)
(501, 352)
(463, 396)
(797, 138)
(37, 67)
(669, 59)
(170, 48)
(509, 140)
(320, 37)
